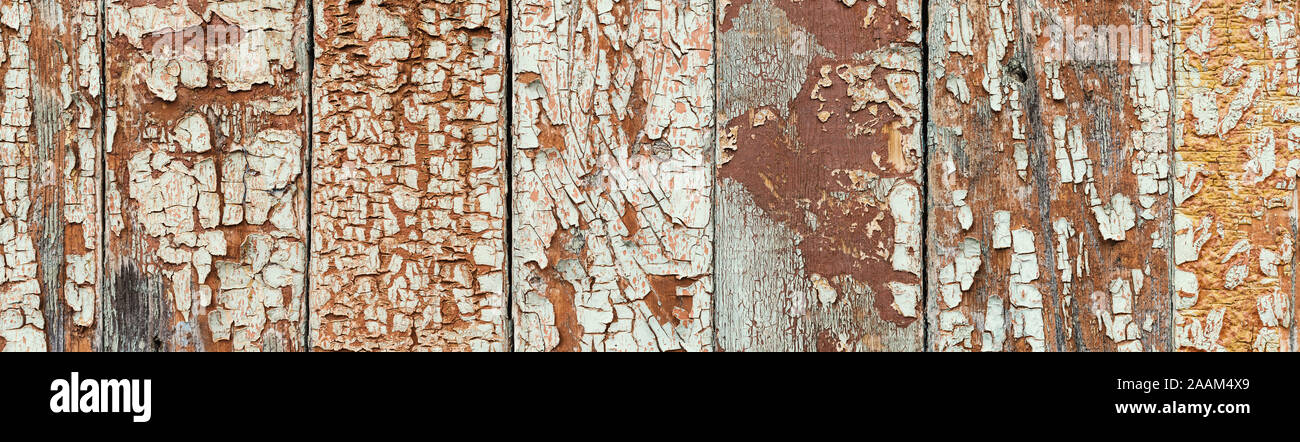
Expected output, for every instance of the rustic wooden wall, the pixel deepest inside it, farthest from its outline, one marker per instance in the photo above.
(592, 175)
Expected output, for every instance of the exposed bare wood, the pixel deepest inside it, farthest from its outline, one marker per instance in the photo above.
(67, 123)
(1235, 223)
(613, 115)
(206, 204)
(408, 189)
(1076, 175)
(819, 218)
(1049, 220)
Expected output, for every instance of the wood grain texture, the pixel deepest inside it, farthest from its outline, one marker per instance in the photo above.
(612, 175)
(819, 170)
(288, 175)
(1238, 91)
(66, 135)
(408, 196)
(206, 216)
(1048, 158)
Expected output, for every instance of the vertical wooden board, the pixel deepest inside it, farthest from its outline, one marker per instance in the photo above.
(49, 180)
(819, 169)
(66, 117)
(1048, 158)
(206, 207)
(1235, 221)
(612, 175)
(22, 322)
(408, 204)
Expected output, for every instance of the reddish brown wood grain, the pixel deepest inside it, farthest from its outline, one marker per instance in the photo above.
(1002, 175)
(1049, 222)
(819, 215)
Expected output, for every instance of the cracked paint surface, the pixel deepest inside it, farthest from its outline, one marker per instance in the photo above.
(206, 175)
(1048, 194)
(408, 204)
(49, 175)
(819, 171)
(22, 321)
(1235, 176)
(611, 226)
(67, 125)
(1050, 209)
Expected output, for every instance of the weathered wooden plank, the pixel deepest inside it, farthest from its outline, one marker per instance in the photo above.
(408, 204)
(1235, 221)
(22, 323)
(612, 175)
(1048, 203)
(49, 168)
(206, 207)
(819, 170)
(66, 180)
